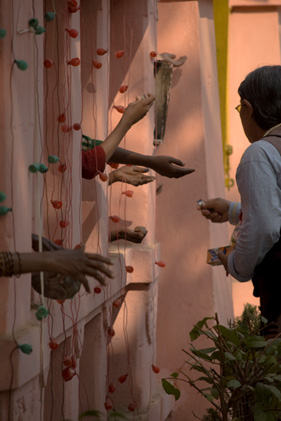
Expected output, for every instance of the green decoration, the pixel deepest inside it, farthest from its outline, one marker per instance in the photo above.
(34, 168)
(49, 16)
(41, 313)
(25, 348)
(39, 30)
(33, 22)
(2, 196)
(4, 210)
(53, 159)
(3, 33)
(43, 168)
(21, 64)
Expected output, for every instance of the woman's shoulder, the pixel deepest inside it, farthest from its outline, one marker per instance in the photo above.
(261, 150)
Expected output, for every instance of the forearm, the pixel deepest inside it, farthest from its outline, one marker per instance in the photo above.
(110, 144)
(17, 263)
(124, 156)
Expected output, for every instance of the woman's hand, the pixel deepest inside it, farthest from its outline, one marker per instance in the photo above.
(224, 259)
(169, 166)
(132, 175)
(138, 109)
(215, 209)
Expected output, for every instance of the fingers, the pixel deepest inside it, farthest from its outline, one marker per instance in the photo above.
(138, 169)
(99, 257)
(180, 172)
(85, 283)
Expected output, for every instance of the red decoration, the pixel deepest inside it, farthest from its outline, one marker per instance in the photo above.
(97, 64)
(48, 63)
(119, 108)
(119, 53)
(129, 269)
(72, 3)
(77, 246)
(76, 126)
(97, 290)
(64, 224)
(74, 61)
(53, 345)
(67, 361)
(123, 89)
(60, 301)
(61, 118)
(128, 193)
(101, 51)
(56, 204)
(153, 54)
(103, 176)
(66, 129)
(111, 388)
(155, 369)
(62, 168)
(108, 404)
(115, 218)
(73, 9)
(58, 242)
(110, 332)
(117, 303)
(114, 165)
(68, 373)
(132, 407)
(161, 264)
(73, 33)
(122, 378)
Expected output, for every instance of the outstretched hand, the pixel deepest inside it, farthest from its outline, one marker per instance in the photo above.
(215, 209)
(138, 109)
(132, 175)
(170, 167)
(171, 58)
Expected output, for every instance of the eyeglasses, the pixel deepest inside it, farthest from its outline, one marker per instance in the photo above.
(238, 108)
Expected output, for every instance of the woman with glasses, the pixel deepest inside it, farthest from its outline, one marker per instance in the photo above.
(257, 254)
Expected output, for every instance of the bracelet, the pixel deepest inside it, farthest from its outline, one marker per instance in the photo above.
(9, 264)
(20, 264)
(2, 265)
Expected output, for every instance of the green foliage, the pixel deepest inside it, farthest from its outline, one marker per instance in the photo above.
(239, 373)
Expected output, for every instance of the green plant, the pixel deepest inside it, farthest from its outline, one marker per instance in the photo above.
(97, 415)
(239, 374)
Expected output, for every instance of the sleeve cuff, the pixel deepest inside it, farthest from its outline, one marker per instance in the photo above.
(234, 212)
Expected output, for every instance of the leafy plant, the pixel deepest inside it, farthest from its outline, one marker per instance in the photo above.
(239, 374)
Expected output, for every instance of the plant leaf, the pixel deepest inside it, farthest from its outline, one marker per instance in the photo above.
(90, 413)
(255, 341)
(116, 414)
(233, 384)
(174, 375)
(171, 389)
(229, 356)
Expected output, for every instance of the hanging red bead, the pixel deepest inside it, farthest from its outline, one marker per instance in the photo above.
(129, 269)
(73, 33)
(128, 193)
(97, 290)
(66, 129)
(101, 51)
(62, 168)
(68, 373)
(76, 126)
(117, 303)
(53, 345)
(73, 9)
(122, 378)
(67, 361)
(155, 369)
(60, 301)
(119, 53)
(114, 165)
(58, 242)
(57, 204)
(111, 388)
(108, 404)
(61, 118)
(48, 63)
(161, 264)
(103, 176)
(115, 218)
(74, 61)
(97, 64)
(132, 407)
(64, 224)
(110, 332)
(119, 108)
(72, 3)
(123, 89)
(153, 54)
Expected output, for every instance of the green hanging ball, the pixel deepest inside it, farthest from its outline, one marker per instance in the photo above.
(49, 16)
(2, 196)
(25, 348)
(4, 210)
(41, 313)
(43, 168)
(53, 159)
(3, 33)
(33, 22)
(39, 30)
(21, 64)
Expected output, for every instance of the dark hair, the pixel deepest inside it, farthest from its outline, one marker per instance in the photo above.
(262, 88)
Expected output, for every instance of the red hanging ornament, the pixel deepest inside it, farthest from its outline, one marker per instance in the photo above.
(155, 369)
(62, 168)
(132, 407)
(48, 63)
(161, 264)
(72, 3)
(123, 89)
(66, 129)
(64, 224)
(122, 378)
(61, 118)
(76, 126)
(53, 345)
(115, 218)
(113, 165)
(97, 64)
(68, 373)
(117, 303)
(111, 388)
(101, 51)
(153, 54)
(58, 242)
(60, 301)
(119, 108)
(128, 193)
(110, 332)
(103, 176)
(108, 404)
(129, 269)
(73, 9)
(74, 61)
(57, 204)
(97, 290)
(73, 33)
(67, 361)
(119, 53)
